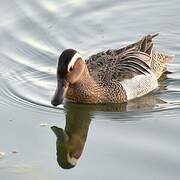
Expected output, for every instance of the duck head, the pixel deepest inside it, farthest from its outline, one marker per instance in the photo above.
(69, 70)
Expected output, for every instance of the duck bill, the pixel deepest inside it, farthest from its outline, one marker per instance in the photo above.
(59, 93)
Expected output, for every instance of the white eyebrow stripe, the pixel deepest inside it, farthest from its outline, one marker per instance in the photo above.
(71, 160)
(73, 60)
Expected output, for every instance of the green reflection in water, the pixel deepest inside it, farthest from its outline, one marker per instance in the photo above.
(71, 140)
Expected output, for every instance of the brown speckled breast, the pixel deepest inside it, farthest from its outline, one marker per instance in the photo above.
(87, 90)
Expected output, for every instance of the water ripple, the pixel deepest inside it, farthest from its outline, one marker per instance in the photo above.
(140, 136)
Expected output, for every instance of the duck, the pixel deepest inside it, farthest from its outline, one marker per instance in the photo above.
(111, 76)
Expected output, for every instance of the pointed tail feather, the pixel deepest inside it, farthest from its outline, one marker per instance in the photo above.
(154, 35)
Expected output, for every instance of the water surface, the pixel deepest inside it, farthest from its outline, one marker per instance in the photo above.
(138, 140)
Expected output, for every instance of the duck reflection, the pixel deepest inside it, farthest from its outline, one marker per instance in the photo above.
(71, 140)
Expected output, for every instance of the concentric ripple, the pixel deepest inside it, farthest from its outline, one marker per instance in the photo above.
(37, 34)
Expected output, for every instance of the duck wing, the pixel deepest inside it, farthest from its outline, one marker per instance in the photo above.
(123, 63)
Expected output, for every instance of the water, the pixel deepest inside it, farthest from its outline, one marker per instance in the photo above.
(138, 140)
